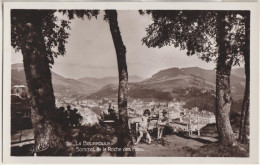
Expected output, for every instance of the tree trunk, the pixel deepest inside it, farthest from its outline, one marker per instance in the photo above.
(124, 138)
(47, 133)
(244, 122)
(223, 92)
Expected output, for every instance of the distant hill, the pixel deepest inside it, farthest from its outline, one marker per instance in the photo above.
(161, 85)
(239, 72)
(169, 81)
(60, 84)
(188, 77)
(102, 82)
(108, 91)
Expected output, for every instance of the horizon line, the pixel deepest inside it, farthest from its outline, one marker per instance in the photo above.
(236, 67)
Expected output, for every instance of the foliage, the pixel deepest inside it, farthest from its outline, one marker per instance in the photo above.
(203, 103)
(71, 14)
(54, 29)
(195, 31)
(150, 93)
(206, 101)
(217, 150)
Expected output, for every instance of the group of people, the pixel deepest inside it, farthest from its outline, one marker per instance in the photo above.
(69, 117)
(144, 123)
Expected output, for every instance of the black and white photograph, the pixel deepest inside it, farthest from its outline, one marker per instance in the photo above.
(137, 82)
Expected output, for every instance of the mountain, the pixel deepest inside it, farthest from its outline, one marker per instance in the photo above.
(60, 84)
(165, 84)
(168, 79)
(187, 77)
(108, 91)
(170, 82)
(102, 82)
(135, 78)
(239, 72)
(18, 75)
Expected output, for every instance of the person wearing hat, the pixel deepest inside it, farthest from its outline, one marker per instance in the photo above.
(143, 127)
(162, 121)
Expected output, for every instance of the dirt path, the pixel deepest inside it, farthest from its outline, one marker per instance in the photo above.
(174, 146)
(171, 145)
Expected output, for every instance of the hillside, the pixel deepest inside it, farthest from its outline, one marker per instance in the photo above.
(108, 91)
(165, 84)
(60, 84)
(102, 82)
(170, 81)
(190, 77)
(239, 72)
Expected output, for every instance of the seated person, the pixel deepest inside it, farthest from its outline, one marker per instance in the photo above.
(74, 117)
(143, 127)
(111, 115)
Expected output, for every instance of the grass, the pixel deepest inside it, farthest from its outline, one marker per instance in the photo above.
(217, 150)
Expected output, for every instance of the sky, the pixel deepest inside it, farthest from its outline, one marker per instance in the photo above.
(91, 52)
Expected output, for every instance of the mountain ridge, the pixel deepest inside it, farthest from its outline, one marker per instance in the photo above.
(60, 84)
(101, 82)
(167, 80)
(172, 79)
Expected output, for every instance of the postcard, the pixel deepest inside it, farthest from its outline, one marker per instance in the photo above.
(128, 82)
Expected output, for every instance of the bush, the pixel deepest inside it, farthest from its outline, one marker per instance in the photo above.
(217, 150)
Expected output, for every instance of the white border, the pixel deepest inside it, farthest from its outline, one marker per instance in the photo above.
(254, 92)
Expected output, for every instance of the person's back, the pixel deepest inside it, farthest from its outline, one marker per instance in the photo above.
(73, 117)
(60, 116)
(69, 110)
(111, 114)
(78, 119)
(67, 117)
